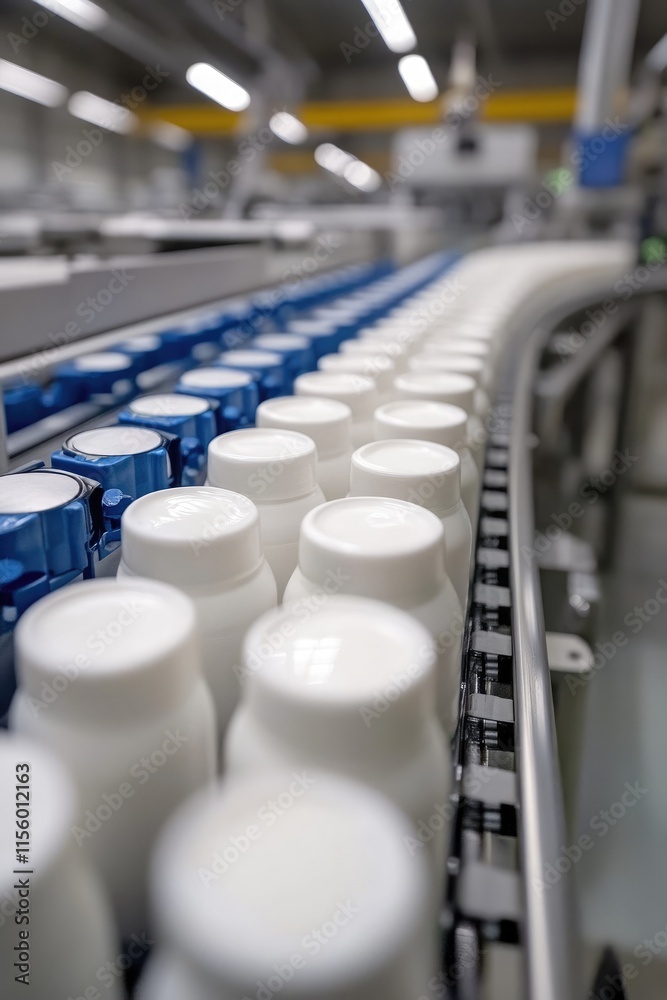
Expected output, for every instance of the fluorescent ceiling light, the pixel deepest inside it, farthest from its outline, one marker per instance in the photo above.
(342, 164)
(170, 136)
(361, 176)
(288, 128)
(219, 87)
(417, 77)
(33, 86)
(83, 13)
(332, 158)
(106, 114)
(391, 21)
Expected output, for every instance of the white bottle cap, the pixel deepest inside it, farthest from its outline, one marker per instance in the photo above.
(108, 648)
(104, 361)
(326, 421)
(458, 390)
(192, 536)
(378, 348)
(249, 359)
(396, 333)
(422, 472)
(380, 368)
(358, 391)
(310, 681)
(243, 878)
(458, 364)
(388, 549)
(422, 419)
(263, 463)
(169, 404)
(124, 439)
(215, 378)
(456, 345)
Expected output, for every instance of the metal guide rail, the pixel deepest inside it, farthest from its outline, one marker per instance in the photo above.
(483, 892)
(507, 934)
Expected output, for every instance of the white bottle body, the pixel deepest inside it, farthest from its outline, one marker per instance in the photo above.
(281, 524)
(477, 437)
(146, 767)
(224, 615)
(333, 474)
(442, 616)
(458, 548)
(418, 783)
(470, 486)
(362, 432)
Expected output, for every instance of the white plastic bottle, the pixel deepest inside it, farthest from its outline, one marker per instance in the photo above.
(206, 542)
(439, 422)
(328, 423)
(427, 474)
(277, 470)
(350, 689)
(56, 927)
(457, 390)
(459, 364)
(299, 885)
(393, 551)
(379, 367)
(359, 392)
(391, 348)
(110, 681)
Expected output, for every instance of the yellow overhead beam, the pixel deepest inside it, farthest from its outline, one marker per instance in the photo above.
(531, 106)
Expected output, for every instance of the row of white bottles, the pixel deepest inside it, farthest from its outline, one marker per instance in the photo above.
(110, 683)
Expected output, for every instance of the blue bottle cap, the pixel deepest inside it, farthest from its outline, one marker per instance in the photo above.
(50, 525)
(235, 392)
(24, 405)
(135, 460)
(147, 352)
(107, 373)
(296, 349)
(267, 368)
(322, 333)
(192, 419)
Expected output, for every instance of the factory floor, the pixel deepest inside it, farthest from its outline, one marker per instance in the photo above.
(622, 872)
